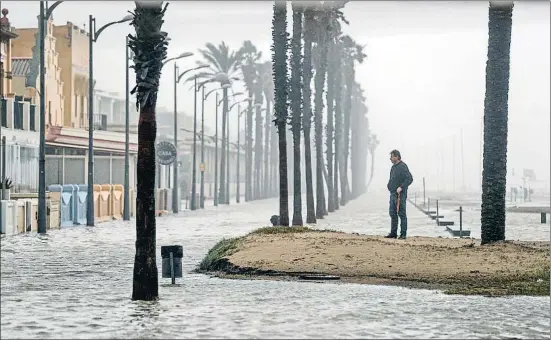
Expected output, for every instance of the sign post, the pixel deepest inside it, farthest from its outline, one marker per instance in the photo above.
(166, 153)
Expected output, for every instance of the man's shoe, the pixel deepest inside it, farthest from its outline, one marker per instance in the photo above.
(402, 237)
(390, 236)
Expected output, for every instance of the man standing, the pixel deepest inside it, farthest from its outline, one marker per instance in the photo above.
(400, 179)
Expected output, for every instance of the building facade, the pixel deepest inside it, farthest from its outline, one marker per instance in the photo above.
(26, 76)
(7, 34)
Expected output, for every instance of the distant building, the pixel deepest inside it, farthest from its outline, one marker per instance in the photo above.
(7, 33)
(26, 64)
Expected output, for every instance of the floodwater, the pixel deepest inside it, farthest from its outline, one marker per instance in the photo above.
(77, 283)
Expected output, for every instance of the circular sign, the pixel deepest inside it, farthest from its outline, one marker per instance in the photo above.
(166, 153)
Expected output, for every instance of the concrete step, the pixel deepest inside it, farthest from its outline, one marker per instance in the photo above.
(445, 223)
(459, 233)
(433, 217)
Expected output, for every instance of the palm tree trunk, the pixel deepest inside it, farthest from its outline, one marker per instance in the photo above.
(346, 134)
(329, 99)
(145, 286)
(149, 50)
(274, 159)
(279, 60)
(318, 118)
(258, 144)
(307, 115)
(495, 122)
(266, 164)
(249, 151)
(296, 110)
(223, 160)
(338, 125)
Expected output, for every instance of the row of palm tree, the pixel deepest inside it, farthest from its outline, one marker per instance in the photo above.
(322, 53)
(149, 45)
(331, 56)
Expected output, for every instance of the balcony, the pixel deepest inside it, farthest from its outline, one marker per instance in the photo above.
(100, 122)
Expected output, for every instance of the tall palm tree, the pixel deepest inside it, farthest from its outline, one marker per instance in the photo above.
(296, 109)
(309, 26)
(335, 17)
(495, 122)
(224, 65)
(251, 56)
(339, 93)
(322, 28)
(150, 49)
(279, 62)
(329, 100)
(353, 53)
(258, 101)
(371, 147)
(360, 138)
(264, 73)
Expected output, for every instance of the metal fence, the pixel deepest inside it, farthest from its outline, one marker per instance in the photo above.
(22, 166)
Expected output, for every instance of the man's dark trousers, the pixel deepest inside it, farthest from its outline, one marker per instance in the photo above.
(394, 214)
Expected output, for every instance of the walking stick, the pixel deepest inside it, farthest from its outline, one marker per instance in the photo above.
(398, 204)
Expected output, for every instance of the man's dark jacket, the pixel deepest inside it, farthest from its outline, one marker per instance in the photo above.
(399, 177)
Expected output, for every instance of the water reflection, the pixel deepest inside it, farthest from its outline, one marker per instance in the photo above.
(78, 283)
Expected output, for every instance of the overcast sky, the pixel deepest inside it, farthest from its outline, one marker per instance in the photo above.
(424, 75)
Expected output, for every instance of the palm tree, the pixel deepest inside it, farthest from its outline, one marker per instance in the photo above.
(250, 58)
(296, 109)
(339, 93)
(495, 122)
(224, 65)
(353, 53)
(279, 62)
(309, 26)
(258, 101)
(361, 137)
(150, 48)
(372, 144)
(322, 27)
(335, 16)
(329, 100)
(264, 73)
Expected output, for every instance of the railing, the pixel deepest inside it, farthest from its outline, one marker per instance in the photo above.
(100, 122)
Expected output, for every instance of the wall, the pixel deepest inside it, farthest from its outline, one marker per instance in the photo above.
(23, 48)
(5, 50)
(72, 46)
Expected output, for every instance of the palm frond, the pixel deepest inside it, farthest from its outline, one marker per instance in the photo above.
(149, 47)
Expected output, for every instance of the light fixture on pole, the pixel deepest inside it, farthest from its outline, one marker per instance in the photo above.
(237, 179)
(225, 86)
(92, 38)
(42, 19)
(177, 78)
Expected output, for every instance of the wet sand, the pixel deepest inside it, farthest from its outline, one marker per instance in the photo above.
(417, 261)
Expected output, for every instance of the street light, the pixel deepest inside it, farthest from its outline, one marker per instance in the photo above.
(177, 78)
(93, 37)
(239, 113)
(43, 18)
(225, 86)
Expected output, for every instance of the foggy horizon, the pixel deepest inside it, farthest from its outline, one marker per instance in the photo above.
(424, 76)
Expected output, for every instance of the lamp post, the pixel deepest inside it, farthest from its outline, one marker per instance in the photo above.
(43, 17)
(228, 148)
(227, 196)
(239, 113)
(92, 38)
(177, 78)
(126, 214)
(205, 97)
